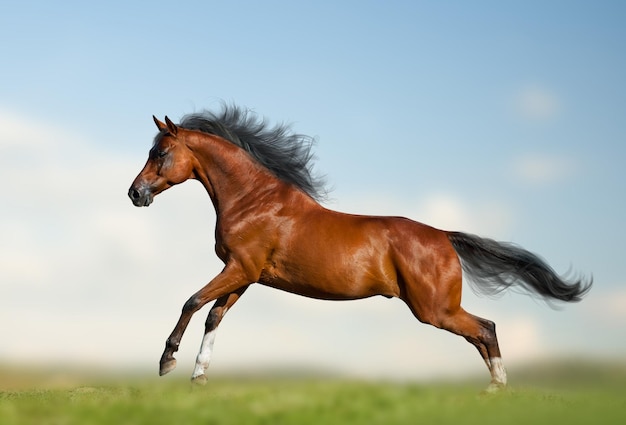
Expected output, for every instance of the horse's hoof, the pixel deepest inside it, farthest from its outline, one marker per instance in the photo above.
(199, 380)
(167, 366)
(495, 387)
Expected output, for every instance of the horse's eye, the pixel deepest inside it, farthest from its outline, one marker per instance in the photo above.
(161, 154)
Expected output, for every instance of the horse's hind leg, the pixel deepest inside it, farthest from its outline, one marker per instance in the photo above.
(219, 309)
(482, 334)
(439, 304)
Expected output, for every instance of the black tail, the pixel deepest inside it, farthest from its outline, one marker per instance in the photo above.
(495, 266)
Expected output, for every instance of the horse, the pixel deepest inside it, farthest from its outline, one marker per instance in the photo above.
(272, 229)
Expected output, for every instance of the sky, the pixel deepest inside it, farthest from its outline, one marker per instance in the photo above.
(504, 119)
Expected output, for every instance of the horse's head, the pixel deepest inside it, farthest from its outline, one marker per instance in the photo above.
(170, 162)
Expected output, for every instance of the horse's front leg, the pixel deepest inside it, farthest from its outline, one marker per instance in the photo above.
(219, 309)
(230, 280)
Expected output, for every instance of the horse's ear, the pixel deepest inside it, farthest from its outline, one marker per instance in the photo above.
(160, 125)
(171, 127)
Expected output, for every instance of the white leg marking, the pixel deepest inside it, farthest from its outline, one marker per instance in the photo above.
(204, 356)
(498, 373)
(206, 348)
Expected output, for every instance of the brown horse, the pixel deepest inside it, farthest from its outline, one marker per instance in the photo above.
(271, 230)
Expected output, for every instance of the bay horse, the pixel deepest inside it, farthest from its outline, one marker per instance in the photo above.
(272, 230)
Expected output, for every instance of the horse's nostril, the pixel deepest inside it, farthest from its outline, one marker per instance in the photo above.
(133, 194)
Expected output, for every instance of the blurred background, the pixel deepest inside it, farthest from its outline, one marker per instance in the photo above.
(501, 119)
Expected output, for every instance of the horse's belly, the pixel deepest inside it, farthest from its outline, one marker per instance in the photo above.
(326, 286)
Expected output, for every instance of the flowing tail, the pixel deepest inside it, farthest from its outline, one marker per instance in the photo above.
(495, 266)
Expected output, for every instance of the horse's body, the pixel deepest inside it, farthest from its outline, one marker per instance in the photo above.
(271, 230)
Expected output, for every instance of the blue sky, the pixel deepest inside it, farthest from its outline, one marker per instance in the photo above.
(496, 118)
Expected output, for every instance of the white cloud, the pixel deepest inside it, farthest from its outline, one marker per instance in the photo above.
(537, 103)
(543, 169)
(449, 212)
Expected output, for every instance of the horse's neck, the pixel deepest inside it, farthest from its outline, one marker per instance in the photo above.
(231, 177)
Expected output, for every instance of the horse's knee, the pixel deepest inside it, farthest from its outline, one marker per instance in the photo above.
(192, 304)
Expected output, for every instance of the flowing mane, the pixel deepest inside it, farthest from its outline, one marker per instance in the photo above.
(286, 154)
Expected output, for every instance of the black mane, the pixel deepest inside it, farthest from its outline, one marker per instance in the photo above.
(286, 154)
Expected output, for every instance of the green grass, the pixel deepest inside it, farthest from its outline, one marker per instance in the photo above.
(306, 401)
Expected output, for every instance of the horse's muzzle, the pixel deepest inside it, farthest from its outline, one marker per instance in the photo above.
(141, 196)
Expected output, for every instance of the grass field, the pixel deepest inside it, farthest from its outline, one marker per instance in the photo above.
(583, 396)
